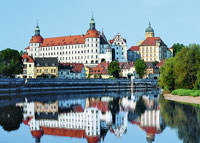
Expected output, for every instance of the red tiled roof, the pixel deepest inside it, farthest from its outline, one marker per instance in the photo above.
(105, 65)
(66, 40)
(63, 132)
(171, 48)
(111, 41)
(151, 41)
(27, 48)
(135, 48)
(126, 65)
(76, 67)
(161, 63)
(29, 59)
(92, 33)
(36, 39)
(97, 70)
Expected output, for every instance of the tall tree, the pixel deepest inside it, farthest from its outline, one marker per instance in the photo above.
(182, 71)
(177, 48)
(113, 69)
(140, 68)
(166, 79)
(10, 62)
(186, 66)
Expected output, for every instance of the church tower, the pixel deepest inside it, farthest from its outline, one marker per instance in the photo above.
(92, 23)
(149, 32)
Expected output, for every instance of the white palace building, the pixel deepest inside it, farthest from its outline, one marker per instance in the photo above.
(89, 49)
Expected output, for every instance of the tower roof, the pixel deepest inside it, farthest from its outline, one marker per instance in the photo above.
(149, 29)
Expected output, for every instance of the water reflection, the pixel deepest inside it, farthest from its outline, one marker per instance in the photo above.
(10, 117)
(147, 117)
(92, 118)
(184, 118)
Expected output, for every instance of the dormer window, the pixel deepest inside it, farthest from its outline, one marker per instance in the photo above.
(46, 64)
(38, 64)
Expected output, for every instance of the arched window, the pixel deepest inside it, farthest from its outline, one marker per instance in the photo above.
(96, 62)
(86, 62)
(92, 62)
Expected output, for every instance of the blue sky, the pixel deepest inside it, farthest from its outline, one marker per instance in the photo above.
(173, 20)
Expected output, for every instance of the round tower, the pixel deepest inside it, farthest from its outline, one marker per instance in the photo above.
(149, 32)
(92, 44)
(35, 43)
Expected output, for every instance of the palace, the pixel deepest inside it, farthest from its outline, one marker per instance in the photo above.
(151, 49)
(89, 49)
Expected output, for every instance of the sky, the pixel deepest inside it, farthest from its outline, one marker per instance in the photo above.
(175, 21)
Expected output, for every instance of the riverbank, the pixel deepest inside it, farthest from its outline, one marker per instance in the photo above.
(10, 86)
(183, 99)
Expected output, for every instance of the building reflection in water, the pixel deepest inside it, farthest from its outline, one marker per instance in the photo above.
(92, 118)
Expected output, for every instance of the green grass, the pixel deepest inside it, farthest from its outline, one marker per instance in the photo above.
(186, 92)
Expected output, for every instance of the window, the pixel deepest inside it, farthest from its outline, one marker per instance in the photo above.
(46, 70)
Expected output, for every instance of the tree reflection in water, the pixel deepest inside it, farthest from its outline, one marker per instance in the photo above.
(185, 118)
(10, 117)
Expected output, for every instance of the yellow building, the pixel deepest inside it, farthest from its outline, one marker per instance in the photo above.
(28, 66)
(153, 48)
(87, 71)
(46, 67)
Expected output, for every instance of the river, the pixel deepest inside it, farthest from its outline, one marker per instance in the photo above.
(98, 117)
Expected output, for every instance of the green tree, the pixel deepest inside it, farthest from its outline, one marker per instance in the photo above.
(140, 68)
(21, 53)
(166, 79)
(197, 82)
(113, 69)
(177, 48)
(10, 63)
(186, 66)
(182, 70)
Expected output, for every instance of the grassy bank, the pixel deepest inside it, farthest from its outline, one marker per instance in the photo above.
(186, 92)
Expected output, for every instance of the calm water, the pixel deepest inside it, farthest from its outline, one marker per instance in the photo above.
(140, 117)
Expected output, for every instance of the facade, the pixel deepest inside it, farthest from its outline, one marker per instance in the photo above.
(133, 53)
(46, 66)
(89, 49)
(118, 43)
(127, 69)
(151, 49)
(100, 71)
(71, 71)
(152, 71)
(28, 66)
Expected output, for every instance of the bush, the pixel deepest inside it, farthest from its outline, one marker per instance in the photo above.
(186, 92)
